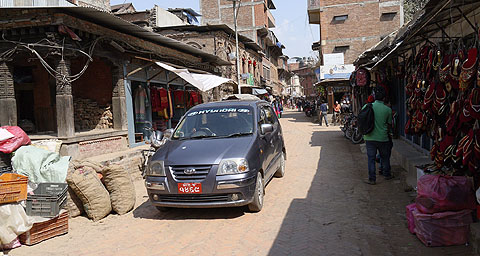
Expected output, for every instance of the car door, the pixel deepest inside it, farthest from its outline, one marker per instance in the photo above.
(266, 140)
(277, 138)
(270, 139)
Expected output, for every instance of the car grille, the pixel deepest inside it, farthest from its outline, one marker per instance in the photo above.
(193, 198)
(201, 172)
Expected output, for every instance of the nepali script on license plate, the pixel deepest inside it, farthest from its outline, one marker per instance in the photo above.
(189, 188)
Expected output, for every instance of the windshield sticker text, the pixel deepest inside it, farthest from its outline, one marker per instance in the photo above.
(220, 110)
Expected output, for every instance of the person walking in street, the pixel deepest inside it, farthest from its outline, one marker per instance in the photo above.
(336, 113)
(379, 138)
(323, 113)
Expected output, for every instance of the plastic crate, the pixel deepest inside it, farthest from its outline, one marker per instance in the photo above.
(13, 188)
(47, 199)
(6, 169)
(5, 160)
(45, 230)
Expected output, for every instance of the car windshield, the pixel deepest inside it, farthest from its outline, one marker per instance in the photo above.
(216, 123)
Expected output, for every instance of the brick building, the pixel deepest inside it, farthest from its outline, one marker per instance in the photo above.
(254, 21)
(219, 40)
(353, 26)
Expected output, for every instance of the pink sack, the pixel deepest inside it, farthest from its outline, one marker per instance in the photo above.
(440, 193)
(410, 221)
(443, 228)
(12, 245)
(9, 145)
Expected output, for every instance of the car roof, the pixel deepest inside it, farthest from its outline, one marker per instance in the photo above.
(229, 103)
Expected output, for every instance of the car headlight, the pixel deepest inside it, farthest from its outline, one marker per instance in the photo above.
(156, 168)
(232, 166)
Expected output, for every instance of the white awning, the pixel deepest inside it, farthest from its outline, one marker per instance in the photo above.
(203, 82)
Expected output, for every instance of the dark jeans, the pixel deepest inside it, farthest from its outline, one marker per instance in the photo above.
(385, 150)
(324, 116)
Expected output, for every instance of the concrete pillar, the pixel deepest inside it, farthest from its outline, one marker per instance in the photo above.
(119, 102)
(8, 104)
(65, 121)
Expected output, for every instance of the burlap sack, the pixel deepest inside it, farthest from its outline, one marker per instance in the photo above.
(96, 166)
(88, 187)
(74, 204)
(122, 191)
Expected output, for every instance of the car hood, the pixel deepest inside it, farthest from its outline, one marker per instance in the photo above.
(203, 151)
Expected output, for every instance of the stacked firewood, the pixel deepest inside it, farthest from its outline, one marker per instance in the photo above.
(89, 115)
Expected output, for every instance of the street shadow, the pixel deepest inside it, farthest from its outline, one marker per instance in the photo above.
(147, 211)
(343, 216)
(297, 117)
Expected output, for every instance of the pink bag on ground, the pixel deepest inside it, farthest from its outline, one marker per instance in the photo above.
(12, 245)
(443, 228)
(440, 193)
(21, 139)
(410, 221)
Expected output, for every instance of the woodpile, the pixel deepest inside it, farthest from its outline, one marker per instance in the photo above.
(89, 115)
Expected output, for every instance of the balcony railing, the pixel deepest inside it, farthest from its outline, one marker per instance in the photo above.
(313, 4)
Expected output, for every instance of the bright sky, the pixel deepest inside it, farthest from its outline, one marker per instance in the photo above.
(292, 28)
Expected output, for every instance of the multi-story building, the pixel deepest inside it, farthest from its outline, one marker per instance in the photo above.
(353, 26)
(303, 77)
(347, 29)
(254, 21)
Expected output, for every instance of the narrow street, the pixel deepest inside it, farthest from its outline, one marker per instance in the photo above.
(321, 207)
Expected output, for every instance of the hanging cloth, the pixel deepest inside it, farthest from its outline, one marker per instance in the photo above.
(179, 97)
(163, 98)
(155, 99)
(170, 104)
(141, 102)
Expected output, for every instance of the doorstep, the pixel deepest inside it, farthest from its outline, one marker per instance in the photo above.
(408, 157)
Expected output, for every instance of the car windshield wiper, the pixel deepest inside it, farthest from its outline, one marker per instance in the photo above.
(238, 134)
(200, 137)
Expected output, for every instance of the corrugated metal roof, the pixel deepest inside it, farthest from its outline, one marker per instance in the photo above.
(111, 21)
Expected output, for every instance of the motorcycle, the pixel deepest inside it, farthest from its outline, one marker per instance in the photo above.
(156, 140)
(357, 136)
(310, 110)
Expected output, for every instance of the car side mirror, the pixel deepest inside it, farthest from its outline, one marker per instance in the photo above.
(266, 128)
(168, 134)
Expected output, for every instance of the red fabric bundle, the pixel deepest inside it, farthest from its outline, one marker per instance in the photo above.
(20, 139)
(443, 228)
(439, 193)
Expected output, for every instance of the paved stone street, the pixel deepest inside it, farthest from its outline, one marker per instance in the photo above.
(321, 207)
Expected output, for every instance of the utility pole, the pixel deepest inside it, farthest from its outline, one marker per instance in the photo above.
(235, 16)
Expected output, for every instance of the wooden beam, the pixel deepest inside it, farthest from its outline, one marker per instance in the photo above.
(138, 69)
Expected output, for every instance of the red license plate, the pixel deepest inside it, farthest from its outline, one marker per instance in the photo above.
(189, 188)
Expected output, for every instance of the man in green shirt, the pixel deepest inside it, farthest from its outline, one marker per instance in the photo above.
(379, 138)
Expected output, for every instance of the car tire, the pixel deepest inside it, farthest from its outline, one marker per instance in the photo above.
(163, 209)
(281, 170)
(257, 204)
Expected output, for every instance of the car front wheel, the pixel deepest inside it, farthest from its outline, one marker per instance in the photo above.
(257, 204)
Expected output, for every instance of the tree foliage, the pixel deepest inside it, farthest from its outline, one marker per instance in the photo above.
(410, 7)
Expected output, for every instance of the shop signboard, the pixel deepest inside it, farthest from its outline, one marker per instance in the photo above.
(249, 79)
(336, 71)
